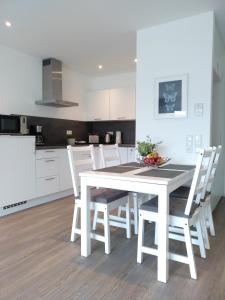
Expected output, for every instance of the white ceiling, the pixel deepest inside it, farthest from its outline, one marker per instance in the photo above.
(86, 33)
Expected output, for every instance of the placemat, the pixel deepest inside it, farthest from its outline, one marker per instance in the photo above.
(133, 164)
(117, 169)
(160, 173)
(178, 167)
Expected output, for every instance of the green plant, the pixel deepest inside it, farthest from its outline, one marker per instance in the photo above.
(145, 147)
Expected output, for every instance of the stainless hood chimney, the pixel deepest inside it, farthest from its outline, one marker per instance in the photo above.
(52, 84)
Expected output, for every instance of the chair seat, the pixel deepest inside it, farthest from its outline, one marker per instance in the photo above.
(177, 207)
(105, 196)
(183, 192)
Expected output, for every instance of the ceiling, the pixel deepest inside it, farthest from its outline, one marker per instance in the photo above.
(86, 33)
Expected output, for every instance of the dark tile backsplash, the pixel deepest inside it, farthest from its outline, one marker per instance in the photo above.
(126, 127)
(54, 130)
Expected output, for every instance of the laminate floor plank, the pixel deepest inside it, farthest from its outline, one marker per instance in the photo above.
(37, 261)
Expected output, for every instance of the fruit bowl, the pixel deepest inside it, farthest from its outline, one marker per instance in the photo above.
(155, 161)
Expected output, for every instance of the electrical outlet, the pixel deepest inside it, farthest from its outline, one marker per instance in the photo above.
(69, 132)
(189, 143)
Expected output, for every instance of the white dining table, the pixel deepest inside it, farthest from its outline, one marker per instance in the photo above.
(134, 180)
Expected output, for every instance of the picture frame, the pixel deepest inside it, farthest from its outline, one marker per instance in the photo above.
(171, 97)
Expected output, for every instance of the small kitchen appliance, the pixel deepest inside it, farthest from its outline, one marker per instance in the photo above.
(37, 130)
(118, 137)
(23, 125)
(109, 137)
(9, 124)
(93, 139)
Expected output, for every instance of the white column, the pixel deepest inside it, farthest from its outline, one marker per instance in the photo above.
(85, 218)
(163, 210)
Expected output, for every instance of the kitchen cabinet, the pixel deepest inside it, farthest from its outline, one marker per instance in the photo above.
(122, 104)
(64, 171)
(123, 155)
(97, 105)
(17, 171)
(47, 185)
(114, 104)
(131, 154)
(47, 172)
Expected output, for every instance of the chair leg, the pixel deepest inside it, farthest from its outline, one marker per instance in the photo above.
(210, 219)
(95, 219)
(135, 203)
(128, 221)
(156, 234)
(107, 231)
(200, 240)
(74, 223)
(190, 253)
(204, 231)
(140, 239)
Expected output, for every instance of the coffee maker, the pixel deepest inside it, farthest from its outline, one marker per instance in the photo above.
(37, 131)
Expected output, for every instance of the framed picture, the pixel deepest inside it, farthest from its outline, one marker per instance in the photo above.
(171, 97)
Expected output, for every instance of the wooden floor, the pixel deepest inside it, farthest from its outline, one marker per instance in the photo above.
(37, 261)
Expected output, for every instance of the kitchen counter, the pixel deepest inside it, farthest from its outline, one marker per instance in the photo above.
(77, 145)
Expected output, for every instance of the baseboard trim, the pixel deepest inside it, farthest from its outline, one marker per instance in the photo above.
(36, 202)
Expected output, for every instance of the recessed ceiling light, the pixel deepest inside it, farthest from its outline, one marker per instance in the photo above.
(100, 67)
(135, 60)
(8, 24)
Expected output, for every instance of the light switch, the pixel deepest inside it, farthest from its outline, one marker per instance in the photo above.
(198, 142)
(189, 143)
(198, 109)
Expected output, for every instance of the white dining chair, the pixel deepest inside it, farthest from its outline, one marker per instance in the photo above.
(110, 156)
(102, 199)
(206, 199)
(182, 214)
(183, 191)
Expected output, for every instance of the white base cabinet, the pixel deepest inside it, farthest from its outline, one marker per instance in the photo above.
(17, 169)
(29, 175)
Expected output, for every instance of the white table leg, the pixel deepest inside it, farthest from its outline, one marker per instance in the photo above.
(85, 219)
(163, 207)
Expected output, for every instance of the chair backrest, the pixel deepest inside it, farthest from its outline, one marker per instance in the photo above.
(80, 158)
(198, 182)
(209, 171)
(110, 155)
(213, 168)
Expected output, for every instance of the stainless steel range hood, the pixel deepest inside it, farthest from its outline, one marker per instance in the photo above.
(52, 84)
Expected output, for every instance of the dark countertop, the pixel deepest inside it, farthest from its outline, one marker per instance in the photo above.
(77, 145)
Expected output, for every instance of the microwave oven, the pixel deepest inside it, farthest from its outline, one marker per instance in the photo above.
(9, 124)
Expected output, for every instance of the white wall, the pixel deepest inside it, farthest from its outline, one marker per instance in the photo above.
(218, 110)
(21, 85)
(180, 47)
(112, 81)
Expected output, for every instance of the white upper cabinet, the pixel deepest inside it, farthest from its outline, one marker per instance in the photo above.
(98, 105)
(122, 104)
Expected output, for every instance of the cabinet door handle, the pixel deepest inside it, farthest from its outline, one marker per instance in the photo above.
(48, 179)
(97, 119)
(49, 160)
(121, 118)
(49, 151)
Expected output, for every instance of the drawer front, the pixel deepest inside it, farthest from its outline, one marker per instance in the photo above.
(47, 167)
(47, 185)
(48, 153)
